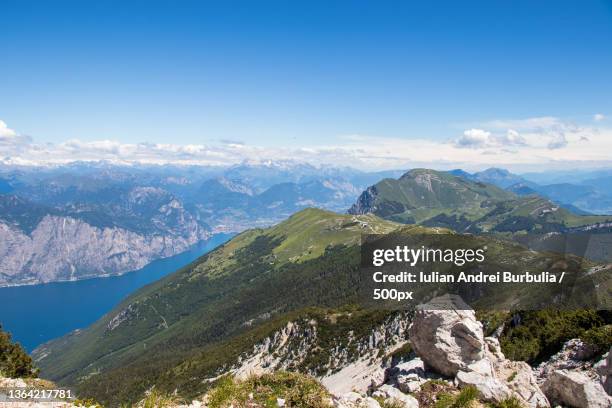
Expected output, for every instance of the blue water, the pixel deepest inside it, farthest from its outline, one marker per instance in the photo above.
(37, 313)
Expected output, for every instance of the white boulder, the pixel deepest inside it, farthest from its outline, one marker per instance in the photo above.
(446, 335)
(575, 389)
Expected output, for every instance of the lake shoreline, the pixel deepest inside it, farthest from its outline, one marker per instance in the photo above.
(37, 313)
(109, 275)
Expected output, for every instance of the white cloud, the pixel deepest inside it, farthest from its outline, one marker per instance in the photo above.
(598, 117)
(5, 132)
(479, 139)
(474, 138)
(558, 144)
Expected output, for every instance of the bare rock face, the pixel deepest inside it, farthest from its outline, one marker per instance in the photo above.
(516, 375)
(490, 388)
(392, 395)
(447, 336)
(449, 339)
(575, 389)
(574, 356)
(408, 376)
(64, 248)
(604, 369)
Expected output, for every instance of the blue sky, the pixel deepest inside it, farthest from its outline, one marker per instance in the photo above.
(284, 74)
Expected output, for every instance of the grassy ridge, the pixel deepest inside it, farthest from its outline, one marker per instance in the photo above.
(435, 198)
(185, 327)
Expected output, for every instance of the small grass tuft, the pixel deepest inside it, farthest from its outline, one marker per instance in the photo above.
(511, 402)
(464, 399)
(155, 399)
(298, 390)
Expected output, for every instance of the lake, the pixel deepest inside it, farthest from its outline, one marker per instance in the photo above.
(38, 313)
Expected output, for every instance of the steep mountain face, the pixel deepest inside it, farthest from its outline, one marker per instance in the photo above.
(40, 244)
(442, 199)
(216, 314)
(96, 219)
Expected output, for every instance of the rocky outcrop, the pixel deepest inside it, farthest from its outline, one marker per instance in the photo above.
(391, 395)
(447, 336)
(574, 389)
(575, 355)
(360, 369)
(366, 202)
(517, 376)
(284, 349)
(63, 248)
(604, 369)
(570, 377)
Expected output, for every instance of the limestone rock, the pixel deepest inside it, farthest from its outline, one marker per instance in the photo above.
(571, 357)
(391, 394)
(446, 335)
(409, 376)
(604, 369)
(575, 390)
(490, 388)
(517, 375)
(355, 400)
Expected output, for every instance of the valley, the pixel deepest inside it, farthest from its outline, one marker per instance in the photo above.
(291, 283)
(194, 324)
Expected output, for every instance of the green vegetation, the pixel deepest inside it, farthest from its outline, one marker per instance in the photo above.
(298, 390)
(389, 403)
(195, 323)
(540, 334)
(86, 403)
(422, 194)
(155, 399)
(511, 402)
(430, 393)
(464, 399)
(14, 361)
(491, 320)
(440, 199)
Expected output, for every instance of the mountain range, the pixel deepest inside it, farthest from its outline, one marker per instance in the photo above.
(196, 323)
(86, 220)
(460, 202)
(580, 192)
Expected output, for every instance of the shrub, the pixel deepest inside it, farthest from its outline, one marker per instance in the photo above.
(537, 335)
(14, 361)
(599, 338)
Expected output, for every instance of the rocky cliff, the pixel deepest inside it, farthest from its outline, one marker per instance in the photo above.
(59, 246)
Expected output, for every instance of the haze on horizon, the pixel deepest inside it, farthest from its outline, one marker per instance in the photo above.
(372, 85)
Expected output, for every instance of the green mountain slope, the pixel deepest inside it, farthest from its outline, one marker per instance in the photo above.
(309, 260)
(434, 198)
(421, 194)
(193, 324)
